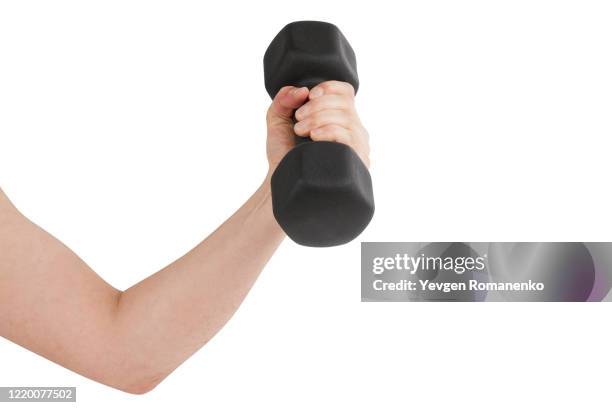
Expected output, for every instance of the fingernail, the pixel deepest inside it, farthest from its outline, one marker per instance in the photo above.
(316, 92)
(296, 91)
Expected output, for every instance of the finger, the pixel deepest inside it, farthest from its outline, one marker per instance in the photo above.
(331, 133)
(323, 118)
(332, 88)
(339, 134)
(322, 103)
(287, 100)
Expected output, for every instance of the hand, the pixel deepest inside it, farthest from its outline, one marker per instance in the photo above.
(327, 113)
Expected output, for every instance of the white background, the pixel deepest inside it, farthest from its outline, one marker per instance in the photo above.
(131, 129)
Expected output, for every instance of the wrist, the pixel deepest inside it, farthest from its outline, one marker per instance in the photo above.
(266, 185)
(264, 204)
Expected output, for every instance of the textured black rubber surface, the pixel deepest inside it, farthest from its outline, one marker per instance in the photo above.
(306, 53)
(322, 194)
(321, 191)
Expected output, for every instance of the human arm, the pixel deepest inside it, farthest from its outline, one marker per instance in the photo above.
(54, 304)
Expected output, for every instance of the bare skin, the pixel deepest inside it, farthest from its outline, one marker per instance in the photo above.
(52, 303)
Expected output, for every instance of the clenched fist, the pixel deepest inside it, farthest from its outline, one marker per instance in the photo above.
(326, 112)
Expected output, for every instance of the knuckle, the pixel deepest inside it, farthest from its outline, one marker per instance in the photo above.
(313, 105)
(318, 119)
(350, 89)
(326, 102)
(339, 102)
(330, 87)
(343, 133)
(330, 131)
(318, 137)
(326, 86)
(340, 134)
(343, 88)
(349, 113)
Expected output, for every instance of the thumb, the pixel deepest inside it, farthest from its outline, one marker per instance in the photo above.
(288, 99)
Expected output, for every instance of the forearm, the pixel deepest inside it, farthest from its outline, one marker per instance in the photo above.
(168, 316)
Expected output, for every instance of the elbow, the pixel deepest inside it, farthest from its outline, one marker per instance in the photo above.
(129, 366)
(133, 376)
(131, 369)
(138, 386)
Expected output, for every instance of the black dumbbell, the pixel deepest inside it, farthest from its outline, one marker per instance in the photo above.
(321, 191)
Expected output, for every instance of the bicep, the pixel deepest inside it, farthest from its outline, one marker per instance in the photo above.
(51, 302)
